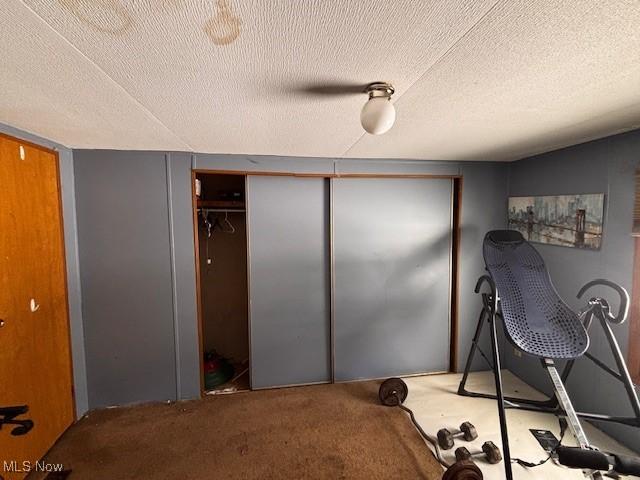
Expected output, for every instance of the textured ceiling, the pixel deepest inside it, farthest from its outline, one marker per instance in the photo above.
(475, 79)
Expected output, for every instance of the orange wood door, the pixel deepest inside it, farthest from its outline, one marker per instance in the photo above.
(35, 360)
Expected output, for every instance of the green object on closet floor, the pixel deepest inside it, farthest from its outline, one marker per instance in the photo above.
(217, 370)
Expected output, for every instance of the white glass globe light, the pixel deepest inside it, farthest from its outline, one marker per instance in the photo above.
(378, 115)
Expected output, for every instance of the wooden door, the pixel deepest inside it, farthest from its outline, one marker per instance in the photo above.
(35, 361)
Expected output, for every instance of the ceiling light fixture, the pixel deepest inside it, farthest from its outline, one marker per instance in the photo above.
(378, 114)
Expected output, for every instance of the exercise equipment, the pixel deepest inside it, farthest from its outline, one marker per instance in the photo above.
(392, 393)
(575, 457)
(490, 452)
(463, 470)
(446, 437)
(537, 322)
(8, 417)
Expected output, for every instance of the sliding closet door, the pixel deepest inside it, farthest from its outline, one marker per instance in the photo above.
(288, 222)
(393, 242)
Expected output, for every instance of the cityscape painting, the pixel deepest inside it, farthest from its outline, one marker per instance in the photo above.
(567, 220)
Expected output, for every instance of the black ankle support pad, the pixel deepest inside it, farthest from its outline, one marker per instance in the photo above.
(626, 465)
(574, 457)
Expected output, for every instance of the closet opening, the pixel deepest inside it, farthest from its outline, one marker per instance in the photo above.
(220, 216)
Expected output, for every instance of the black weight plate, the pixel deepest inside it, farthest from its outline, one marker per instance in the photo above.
(463, 470)
(390, 390)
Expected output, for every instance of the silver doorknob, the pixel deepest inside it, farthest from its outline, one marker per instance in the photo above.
(1, 323)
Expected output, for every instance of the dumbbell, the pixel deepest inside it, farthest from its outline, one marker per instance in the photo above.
(489, 449)
(446, 436)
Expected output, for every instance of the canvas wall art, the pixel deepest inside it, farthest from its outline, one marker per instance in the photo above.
(567, 220)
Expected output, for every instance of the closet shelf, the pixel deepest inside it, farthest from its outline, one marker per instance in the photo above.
(226, 204)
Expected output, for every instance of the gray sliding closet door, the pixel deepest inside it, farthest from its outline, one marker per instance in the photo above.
(392, 241)
(289, 283)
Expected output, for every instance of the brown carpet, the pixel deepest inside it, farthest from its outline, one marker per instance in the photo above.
(314, 432)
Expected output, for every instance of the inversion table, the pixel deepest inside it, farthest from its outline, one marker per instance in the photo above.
(537, 322)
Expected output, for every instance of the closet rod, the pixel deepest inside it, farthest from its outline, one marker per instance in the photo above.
(230, 210)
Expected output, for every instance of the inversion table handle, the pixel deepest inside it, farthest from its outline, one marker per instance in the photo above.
(485, 279)
(623, 310)
(574, 457)
(626, 465)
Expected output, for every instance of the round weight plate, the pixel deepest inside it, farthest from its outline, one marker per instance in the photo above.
(463, 470)
(390, 390)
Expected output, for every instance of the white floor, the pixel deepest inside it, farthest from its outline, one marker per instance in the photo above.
(435, 403)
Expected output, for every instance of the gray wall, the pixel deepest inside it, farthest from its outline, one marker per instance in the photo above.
(138, 273)
(607, 166)
(484, 208)
(124, 236)
(182, 255)
(65, 156)
(117, 358)
(162, 270)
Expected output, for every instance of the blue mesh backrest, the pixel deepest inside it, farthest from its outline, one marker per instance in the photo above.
(536, 320)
